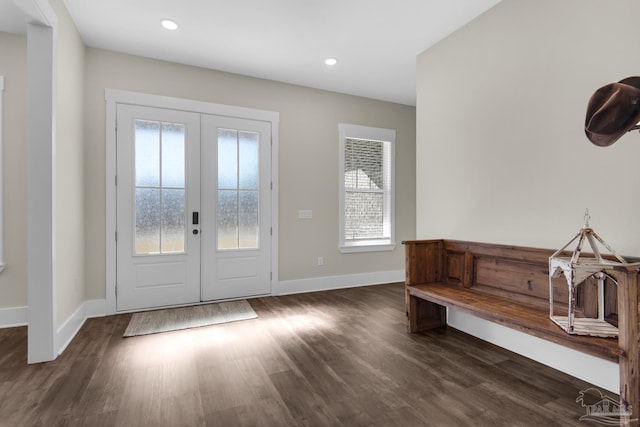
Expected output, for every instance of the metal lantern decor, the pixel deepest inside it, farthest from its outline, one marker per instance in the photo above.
(576, 269)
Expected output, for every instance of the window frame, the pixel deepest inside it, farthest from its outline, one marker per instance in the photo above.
(351, 131)
(2, 263)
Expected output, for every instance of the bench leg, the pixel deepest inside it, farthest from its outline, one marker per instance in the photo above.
(423, 315)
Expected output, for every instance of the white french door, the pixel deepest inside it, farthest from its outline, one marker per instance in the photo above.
(158, 173)
(193, 207)
(236, 205)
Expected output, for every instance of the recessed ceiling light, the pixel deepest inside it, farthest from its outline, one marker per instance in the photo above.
(169, 24)
(331, 61)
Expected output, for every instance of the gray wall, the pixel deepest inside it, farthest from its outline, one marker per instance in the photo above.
(308, 158)
(13, 66)
(501, 152)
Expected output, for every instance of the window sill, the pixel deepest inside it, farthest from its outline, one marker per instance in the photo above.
(367, 247)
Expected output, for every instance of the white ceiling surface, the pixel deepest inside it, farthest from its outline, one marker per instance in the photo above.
(12, 19)
(375, 41)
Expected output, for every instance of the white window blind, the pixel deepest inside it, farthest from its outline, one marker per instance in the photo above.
(366, 180)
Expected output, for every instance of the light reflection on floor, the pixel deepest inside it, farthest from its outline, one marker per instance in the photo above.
(178, 345)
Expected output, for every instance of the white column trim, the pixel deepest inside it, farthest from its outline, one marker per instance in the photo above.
(110, 204)
(328, 283)
(41, 192)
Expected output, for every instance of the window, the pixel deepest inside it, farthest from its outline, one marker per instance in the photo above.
(367, 157)
(1, 197)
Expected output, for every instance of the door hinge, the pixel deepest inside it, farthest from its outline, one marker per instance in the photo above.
(116, 235)
(271, 231)
(116, 180)
(271, 275)
(116, 289)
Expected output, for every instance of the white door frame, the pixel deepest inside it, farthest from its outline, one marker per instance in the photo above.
(114, 97)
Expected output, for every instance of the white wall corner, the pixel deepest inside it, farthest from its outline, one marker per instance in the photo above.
(39, 11)
(97, 308)
(316, 284)
(14, 316)
(69, 329)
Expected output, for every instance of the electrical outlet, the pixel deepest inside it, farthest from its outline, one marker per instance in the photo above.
(320, 261)
(305, 214)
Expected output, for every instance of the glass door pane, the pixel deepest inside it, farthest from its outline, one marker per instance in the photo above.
(159, 187)
(238, 190)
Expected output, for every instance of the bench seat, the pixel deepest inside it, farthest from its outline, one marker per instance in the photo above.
(517, 315)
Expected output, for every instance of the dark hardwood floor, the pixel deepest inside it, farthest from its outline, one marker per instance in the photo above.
(336, 358)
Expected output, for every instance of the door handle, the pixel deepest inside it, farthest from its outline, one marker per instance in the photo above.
(195, 216)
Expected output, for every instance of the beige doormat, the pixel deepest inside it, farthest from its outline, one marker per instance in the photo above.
(174, 319)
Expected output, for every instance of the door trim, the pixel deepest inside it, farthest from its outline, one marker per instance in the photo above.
(114, 97)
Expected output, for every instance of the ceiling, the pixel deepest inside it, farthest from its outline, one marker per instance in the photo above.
(12, 19)
(375, 41)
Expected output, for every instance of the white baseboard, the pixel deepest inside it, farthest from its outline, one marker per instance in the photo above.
(13, 316)
(315, 284)
(100, 307)
(69, 329)
(594, 370)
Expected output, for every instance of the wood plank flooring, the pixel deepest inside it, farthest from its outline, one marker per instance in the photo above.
(336, 358)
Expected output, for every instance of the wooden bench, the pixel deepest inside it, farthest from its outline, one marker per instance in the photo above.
(509, 285)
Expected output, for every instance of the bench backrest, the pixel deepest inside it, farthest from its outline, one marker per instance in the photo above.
(515, 272)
